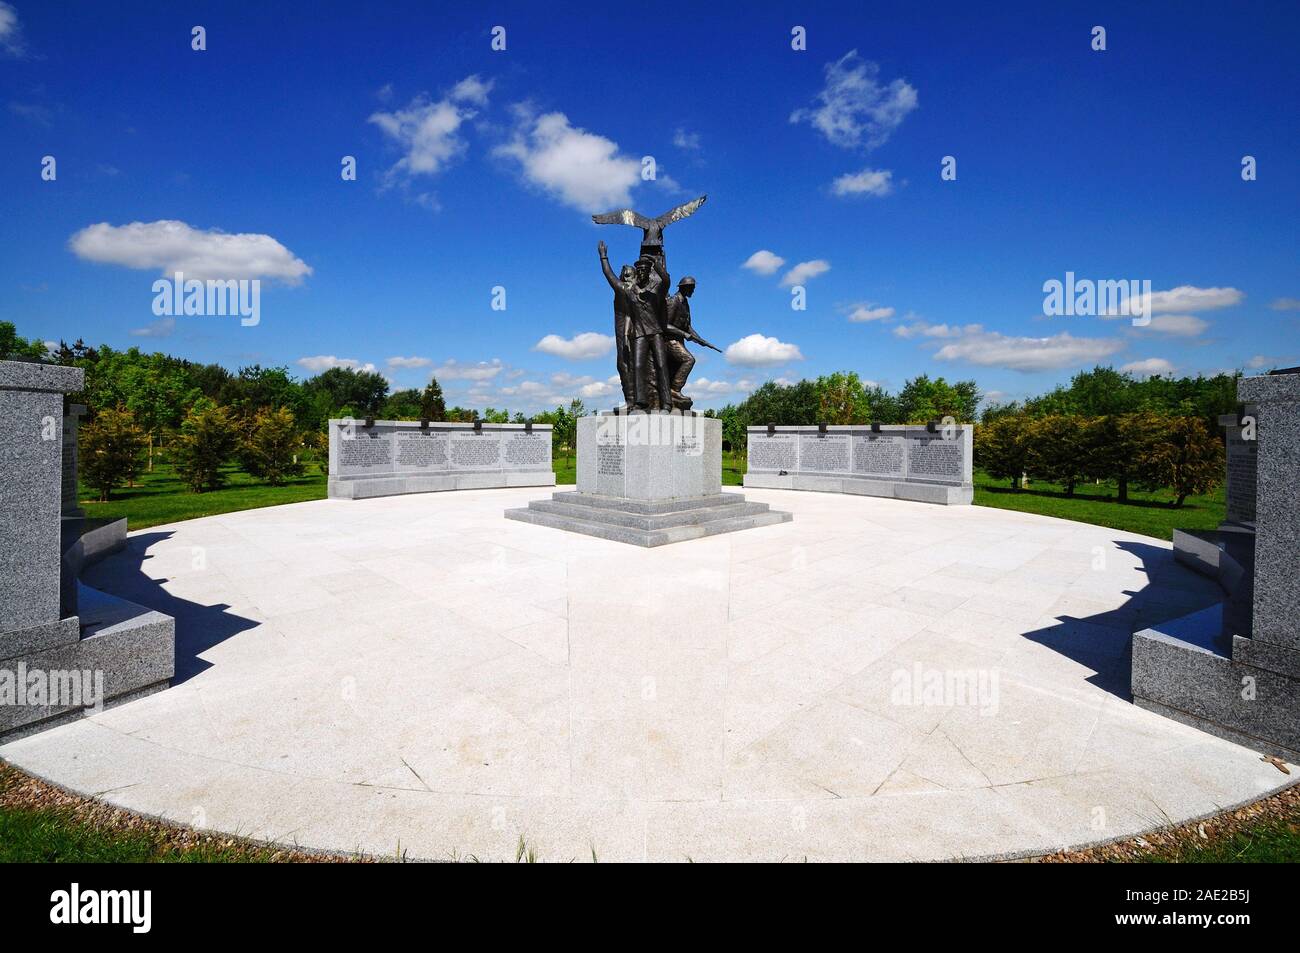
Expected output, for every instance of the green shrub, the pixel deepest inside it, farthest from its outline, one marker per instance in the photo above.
(206, 440)
(110, 453)
(270, 452)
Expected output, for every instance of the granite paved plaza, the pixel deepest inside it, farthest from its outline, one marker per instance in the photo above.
(875, 680)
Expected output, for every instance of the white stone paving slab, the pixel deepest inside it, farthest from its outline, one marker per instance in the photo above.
(876, 680)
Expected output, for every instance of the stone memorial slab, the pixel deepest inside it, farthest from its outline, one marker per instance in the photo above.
(405, 456)
(824, 453)
(880, 455)
(1242, 469)
(903, 462)
(773, 452)
(936, 460)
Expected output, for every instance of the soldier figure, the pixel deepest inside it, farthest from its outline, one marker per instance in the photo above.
(643, 302)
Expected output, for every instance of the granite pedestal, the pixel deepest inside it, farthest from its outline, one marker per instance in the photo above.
(1234, 670)
(82, 652)
(649, 480)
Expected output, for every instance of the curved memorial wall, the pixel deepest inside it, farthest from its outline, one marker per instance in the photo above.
(388, 457)
(901, 461)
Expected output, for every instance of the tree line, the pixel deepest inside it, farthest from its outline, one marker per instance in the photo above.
(204, 417)
(1105, 424)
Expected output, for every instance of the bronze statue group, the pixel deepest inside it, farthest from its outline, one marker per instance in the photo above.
(651, 327)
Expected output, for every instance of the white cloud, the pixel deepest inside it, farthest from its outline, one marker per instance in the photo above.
(172, 246)
(323, 362)
(975, 345)
(869, 312)
(161, 328)
(455, 371)
(763, 262)
(1188, 298)
(853, 109)
(580, 347)
(11, 32)
(927, 330)
(1149, 367)
(581, 169)
(689, 141)
(1184, 325)
(755, 350)
(1263, 360)
(805, 270)
(706, 387)
(428, 133)
(404, 363)
(1285, 304)
(876, 182)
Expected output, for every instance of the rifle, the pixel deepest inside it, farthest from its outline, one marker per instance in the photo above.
(691, 336)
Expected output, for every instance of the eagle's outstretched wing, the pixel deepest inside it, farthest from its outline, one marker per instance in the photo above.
(681, 211)
(623, 216)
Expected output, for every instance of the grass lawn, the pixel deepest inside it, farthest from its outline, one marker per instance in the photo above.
(1151, 514)
(160, 497)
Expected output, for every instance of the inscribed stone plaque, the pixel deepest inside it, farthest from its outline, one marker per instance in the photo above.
(526, 451)
(365, 452)
(773, 452)
(471, 451)
(935, 459)
(824, 453)
(609, 459)
(1243, 455)
(879, 454)
(420, 450)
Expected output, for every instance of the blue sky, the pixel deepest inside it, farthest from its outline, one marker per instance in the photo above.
(479, 168)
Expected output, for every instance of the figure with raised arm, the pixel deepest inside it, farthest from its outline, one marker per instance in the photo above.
(645, 299)
(622, 319)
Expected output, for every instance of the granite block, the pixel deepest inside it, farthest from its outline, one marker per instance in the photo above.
(31, 481)
(1276, 606)
(891, 461)
(392, 457)
(126, 647)
(1183, 666)
(649, 456)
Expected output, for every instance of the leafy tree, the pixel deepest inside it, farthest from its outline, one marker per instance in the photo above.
(1186, 457)
(259, 388)
(363, 391)
(1057, 448)
(207, 438)
(995, 411)
(270, 451)
(402, 405)
(1101, 391)
(842, 399)
(14, 348)
(789, 404)
(1120, 443)
(923, 399)
(432, 405)
(493, 416)
(1001, 448)
(734, 436)
(564, 427)
(110, 451)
